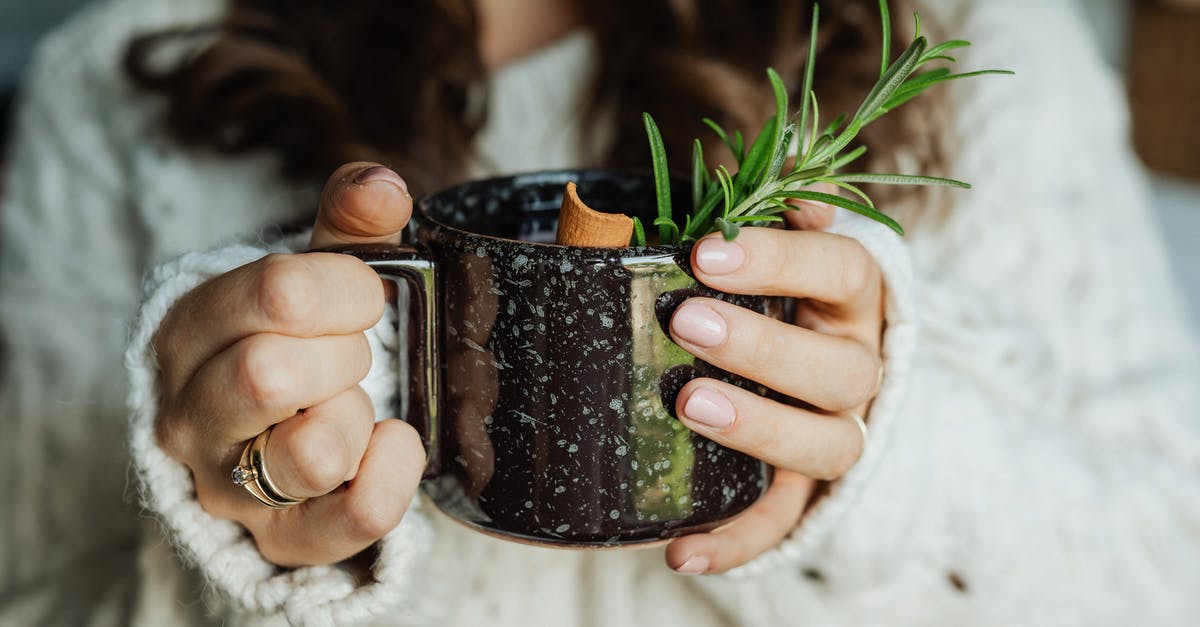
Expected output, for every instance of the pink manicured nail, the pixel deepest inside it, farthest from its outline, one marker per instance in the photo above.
(699, 325)
(380, 173)
(716, 256)
(695, 565)
(710, 408)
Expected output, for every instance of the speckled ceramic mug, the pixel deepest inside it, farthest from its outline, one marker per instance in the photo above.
(543, 379)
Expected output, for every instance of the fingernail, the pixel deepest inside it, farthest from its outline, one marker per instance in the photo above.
(709, 408)
(716, 256)
(699, 325)
(380, 173)
(695, 565)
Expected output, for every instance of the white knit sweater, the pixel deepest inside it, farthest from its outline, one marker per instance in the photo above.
(1034, 456)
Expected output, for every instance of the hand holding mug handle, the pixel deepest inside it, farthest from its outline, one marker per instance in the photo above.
(278, 344)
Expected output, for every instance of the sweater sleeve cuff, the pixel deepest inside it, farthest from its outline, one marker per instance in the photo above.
(221, 549)
(900, 336)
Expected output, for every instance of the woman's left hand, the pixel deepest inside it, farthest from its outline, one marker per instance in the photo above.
(829, 359)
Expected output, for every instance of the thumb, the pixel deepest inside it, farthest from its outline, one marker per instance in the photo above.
(362, 203)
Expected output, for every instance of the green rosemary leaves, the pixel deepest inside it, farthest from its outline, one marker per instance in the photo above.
(760, 188)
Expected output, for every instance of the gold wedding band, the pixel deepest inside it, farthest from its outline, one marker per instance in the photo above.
(251, 473)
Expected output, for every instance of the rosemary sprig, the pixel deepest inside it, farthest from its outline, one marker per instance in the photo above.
(758, 190)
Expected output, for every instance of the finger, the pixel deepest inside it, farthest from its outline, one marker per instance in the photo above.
(831, 372)
(812, 215)
(762, 526)
(790, 438)
(833, 269)
(297, 295)
(316, 451)
(362, 203)
(340, 524)
(266, 378)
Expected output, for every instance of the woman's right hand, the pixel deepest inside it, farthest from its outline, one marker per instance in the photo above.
(280, 342)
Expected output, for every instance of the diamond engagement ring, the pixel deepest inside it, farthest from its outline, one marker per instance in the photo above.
(251, 474)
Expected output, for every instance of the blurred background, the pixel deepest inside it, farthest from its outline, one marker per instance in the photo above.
(1154, 44)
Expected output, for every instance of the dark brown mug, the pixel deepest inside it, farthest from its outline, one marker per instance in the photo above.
(542, 377)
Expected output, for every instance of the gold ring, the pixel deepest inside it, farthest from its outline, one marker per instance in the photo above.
(251, 473)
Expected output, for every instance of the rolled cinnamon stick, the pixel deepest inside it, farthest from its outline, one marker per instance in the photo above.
(580, 225)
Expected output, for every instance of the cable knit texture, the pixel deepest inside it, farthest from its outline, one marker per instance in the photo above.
(1034, 454)
(228, 556)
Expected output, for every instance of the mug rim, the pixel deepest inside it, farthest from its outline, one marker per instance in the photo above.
(549, 247)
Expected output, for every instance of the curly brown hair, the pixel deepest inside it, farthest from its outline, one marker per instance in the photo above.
(302, 78)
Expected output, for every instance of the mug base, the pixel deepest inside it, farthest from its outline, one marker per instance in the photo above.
(579, 545)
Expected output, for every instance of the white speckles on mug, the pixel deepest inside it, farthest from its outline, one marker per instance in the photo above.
(554, 359)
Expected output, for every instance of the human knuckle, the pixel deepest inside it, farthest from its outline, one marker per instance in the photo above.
(830, 471)
(757, 432)
(782, 247)
(287, 292)
(846, 457)
(319, 457)
(363, 358)
(764, 350)
(857, 271)
(781, 252)
(841, 458)
(861, 378)
(371, 519)
(740, 550)
(774, 515)
(373, 304)
(407, 440)
(265, 375)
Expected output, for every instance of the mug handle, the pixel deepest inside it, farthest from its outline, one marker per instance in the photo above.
(417, 270)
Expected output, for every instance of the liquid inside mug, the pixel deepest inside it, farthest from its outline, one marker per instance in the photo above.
(542, 378)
